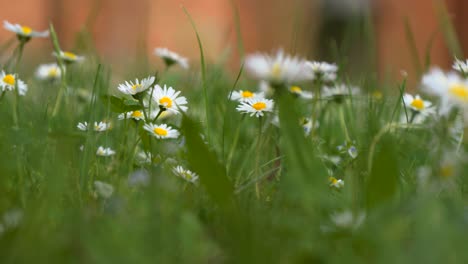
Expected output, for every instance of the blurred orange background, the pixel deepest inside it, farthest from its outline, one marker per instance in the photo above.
(122, 28)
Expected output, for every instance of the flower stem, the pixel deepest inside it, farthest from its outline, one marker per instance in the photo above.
(257, 159)
(343, 124)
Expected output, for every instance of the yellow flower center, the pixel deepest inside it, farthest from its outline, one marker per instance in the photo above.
(165, 101)
(53, 72)
(26, 30)
(247, 94)
(259, 106)
(9, 79)
(333, 180)
(69, 55)
(460, 91)
(295, 89)
(276, 70)
(160, 131)
(137, 114)
(418, 104)
(136, 86)
(377, 95)
(447, 171)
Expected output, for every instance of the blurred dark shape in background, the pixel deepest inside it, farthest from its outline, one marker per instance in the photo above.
(364, 34)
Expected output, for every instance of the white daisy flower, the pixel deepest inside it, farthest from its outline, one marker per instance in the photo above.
(420, 108)
(460, 66)
(137, 87)
(161, 131)
(104, 190)
(98, 127)
(105, 152)
(171, 58)
(322, 70)
(185, 174)
(24, 31)
(69, 57)
(450, 87)
(279, 69)
(8, 82)
(336, 183)
(137, 115)
(296, 90)
(339, 91)
(49, 71)
(168, 99)
(256, 106)
(243, 95)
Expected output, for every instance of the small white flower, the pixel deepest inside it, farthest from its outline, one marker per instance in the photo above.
(420, 109)
(336, 183)
(9, 81)
(163, 115)
(98, 127)
(339, 91)
(308, 124)
(139, 178)
(104, 190)
(168, 99)
(185, 174)
(348, 220)
(137, 87)
(244, 95)
(137, 115)
(171, 58)
(69, 57)
(416, 103)
(296, 90)
(105, 152)
(322, 70)
(143, 157)
(256, 107)
(460, 66)
(49, 71)
(161, 131)
(278, 69)
(24, 31)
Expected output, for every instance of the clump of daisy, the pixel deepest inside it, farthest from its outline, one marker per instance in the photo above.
(461, 66)
(105, 152)
(322, 71)
(419, 108)
(256, 107)
(170, 58)
(133, 88)
(297, 91)
(187, 175)
(136, 115)
(9, 81)
(339, 92)
(335, 183)
(161, 131)
(49, 71)
(103, 190)
(98, 127)
(24, 33)
(69, 57)
(278, 70)
(244, 95)
(168, 99)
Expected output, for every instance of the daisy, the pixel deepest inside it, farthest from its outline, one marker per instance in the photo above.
(49, 71)
(322, 70)
(168, 99)
(336, 183)
(24, 32)
(9, 81)
(256, 106)
(243, 95)
(137, 115)
(185, 174)
(296, 90)
(103, 189)
(137, 87)
(162, 115)
(162, 131)
(170, 58)
(460, 66)
(69, 57)
(105, 152)
(339, 91)
(99, 127)
(278, 69)
(420, 109)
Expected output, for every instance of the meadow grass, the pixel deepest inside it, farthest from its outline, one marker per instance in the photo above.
(266, 193)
